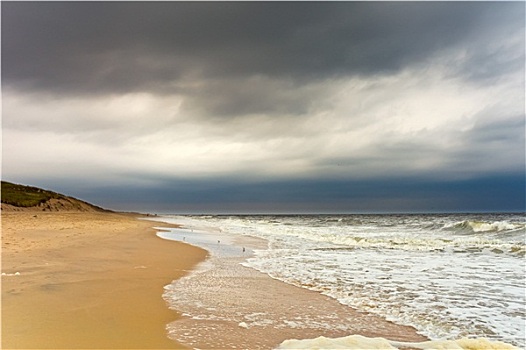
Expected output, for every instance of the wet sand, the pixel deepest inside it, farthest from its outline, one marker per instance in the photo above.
(236, 307)
(87, 280)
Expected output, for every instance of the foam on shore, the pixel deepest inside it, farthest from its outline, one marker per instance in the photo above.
(233, 306)
(359, 342)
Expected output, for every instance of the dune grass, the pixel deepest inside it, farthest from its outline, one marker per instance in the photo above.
(25, 196)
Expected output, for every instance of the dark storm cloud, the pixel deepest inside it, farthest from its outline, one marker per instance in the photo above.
(488, 193)
(100, 47)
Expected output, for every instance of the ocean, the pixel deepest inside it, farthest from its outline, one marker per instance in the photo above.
(449, 276)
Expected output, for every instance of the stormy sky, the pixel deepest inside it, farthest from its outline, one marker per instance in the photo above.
(258, 107)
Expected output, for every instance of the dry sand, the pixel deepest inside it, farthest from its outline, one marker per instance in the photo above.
(87, 280)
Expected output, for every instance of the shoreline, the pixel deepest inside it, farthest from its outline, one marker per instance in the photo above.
(113, 280)
(248, 309)
(88, 280)
(252, 310)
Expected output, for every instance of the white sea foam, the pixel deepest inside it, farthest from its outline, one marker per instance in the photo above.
(449, 276)
(359, 342)
(10, 274)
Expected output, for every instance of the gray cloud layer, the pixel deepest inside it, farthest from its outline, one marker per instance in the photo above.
(259, 91)
(98, 47)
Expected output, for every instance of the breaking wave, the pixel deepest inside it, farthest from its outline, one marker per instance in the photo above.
(483, 226)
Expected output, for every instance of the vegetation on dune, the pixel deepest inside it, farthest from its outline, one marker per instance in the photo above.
(26, 196)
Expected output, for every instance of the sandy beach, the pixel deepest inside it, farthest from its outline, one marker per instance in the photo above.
(87, 280)
(95, 280)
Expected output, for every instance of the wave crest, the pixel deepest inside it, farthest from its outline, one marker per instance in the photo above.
(484, 226)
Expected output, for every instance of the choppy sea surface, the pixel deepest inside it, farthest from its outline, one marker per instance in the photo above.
(449, 276)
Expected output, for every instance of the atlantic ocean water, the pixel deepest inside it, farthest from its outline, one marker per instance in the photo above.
(449, 276)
